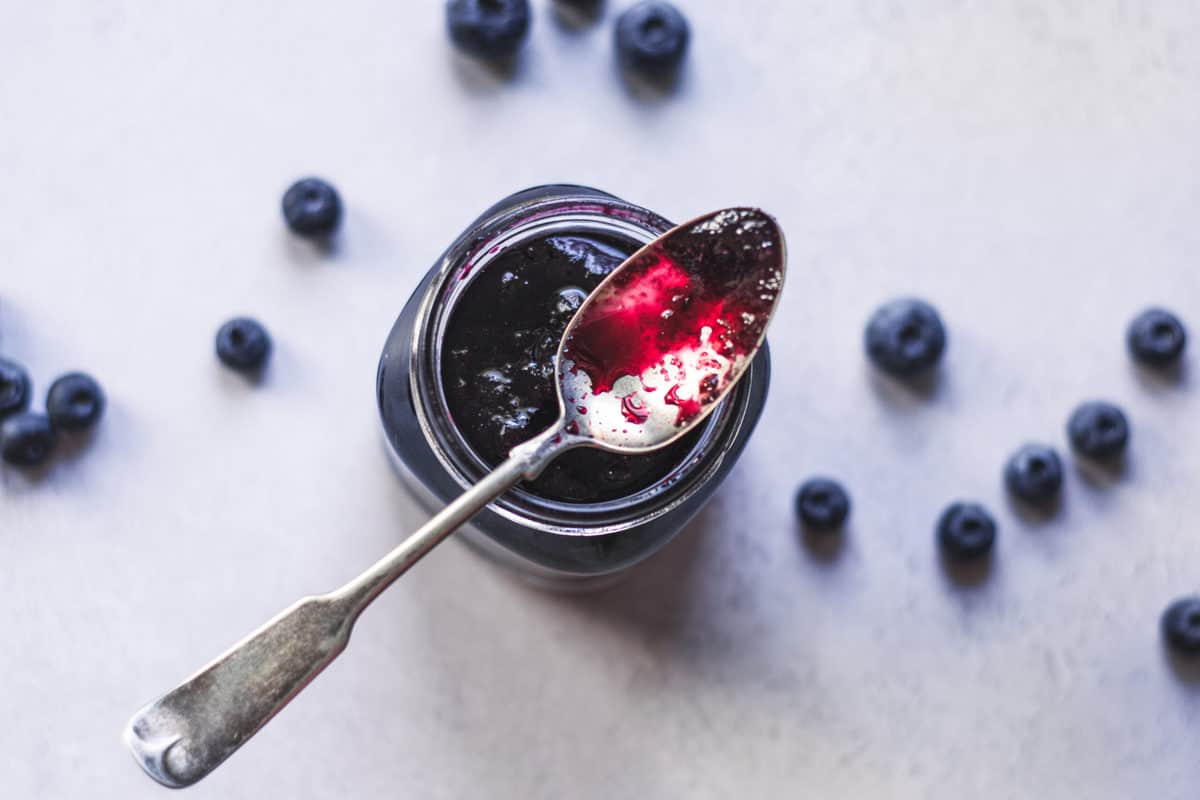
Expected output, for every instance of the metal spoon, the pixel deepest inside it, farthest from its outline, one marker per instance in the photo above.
(645, 359)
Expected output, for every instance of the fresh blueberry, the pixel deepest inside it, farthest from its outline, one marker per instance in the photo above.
(312, 208)
(1098, 430)
(75, 402)
(26, 439)
(1034, 473)
(966, 531)
(491, 29)
(905, 337)
(652, 37)
(1157, 337)
(1181, 625)
(15, 388)
(822, 504)
(243, 344)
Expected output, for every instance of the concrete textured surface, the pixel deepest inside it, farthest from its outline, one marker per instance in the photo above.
(1031, 167)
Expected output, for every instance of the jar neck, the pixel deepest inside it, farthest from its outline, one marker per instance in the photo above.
(532, 215)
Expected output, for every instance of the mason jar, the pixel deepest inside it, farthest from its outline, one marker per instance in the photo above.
(552, 541)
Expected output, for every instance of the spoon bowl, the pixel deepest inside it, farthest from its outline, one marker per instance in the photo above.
(667, 335)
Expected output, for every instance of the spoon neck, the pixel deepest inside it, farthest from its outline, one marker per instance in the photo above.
(524, 462)
(535, 454)
(358, 593)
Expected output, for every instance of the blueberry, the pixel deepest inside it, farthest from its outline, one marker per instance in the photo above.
(26, 439)
(243, 344)
(74, 402)
(1181, 625)
(1156, 337)
(1098, 430)
(966, 531)
(1034, 473)
(905, 337)
(652, 37)
(822, 504)
(491, 29)
(312, 208)
(15, 388)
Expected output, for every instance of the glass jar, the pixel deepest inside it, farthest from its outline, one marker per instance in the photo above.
(554, 543)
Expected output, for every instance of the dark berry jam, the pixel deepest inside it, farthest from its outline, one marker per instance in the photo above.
(498, 364)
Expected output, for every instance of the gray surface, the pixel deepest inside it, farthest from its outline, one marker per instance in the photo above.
(1032, 167)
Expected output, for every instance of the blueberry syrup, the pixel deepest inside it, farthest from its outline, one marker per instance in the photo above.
(498, 365)
(688, 311)
(634, 409)
(688, 408)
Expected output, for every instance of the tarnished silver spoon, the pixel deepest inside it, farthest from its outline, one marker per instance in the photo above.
(645, 359)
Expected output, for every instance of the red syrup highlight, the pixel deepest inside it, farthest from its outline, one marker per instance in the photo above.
(688, 407)
(706, 291)
(634, 409)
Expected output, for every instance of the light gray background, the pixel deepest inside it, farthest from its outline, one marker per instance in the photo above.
(1031, 167)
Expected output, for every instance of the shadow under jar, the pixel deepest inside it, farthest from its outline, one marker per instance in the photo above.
(467, 373)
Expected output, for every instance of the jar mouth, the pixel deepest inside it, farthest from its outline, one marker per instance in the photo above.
(469, 258)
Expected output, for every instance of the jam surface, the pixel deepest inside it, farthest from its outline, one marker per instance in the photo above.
(498, 364)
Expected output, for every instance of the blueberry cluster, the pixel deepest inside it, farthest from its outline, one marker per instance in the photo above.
(74, 403)
(651, 37)
(312, 209)
(906, 339)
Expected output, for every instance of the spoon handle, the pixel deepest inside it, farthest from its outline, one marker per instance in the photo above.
(185, 734)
